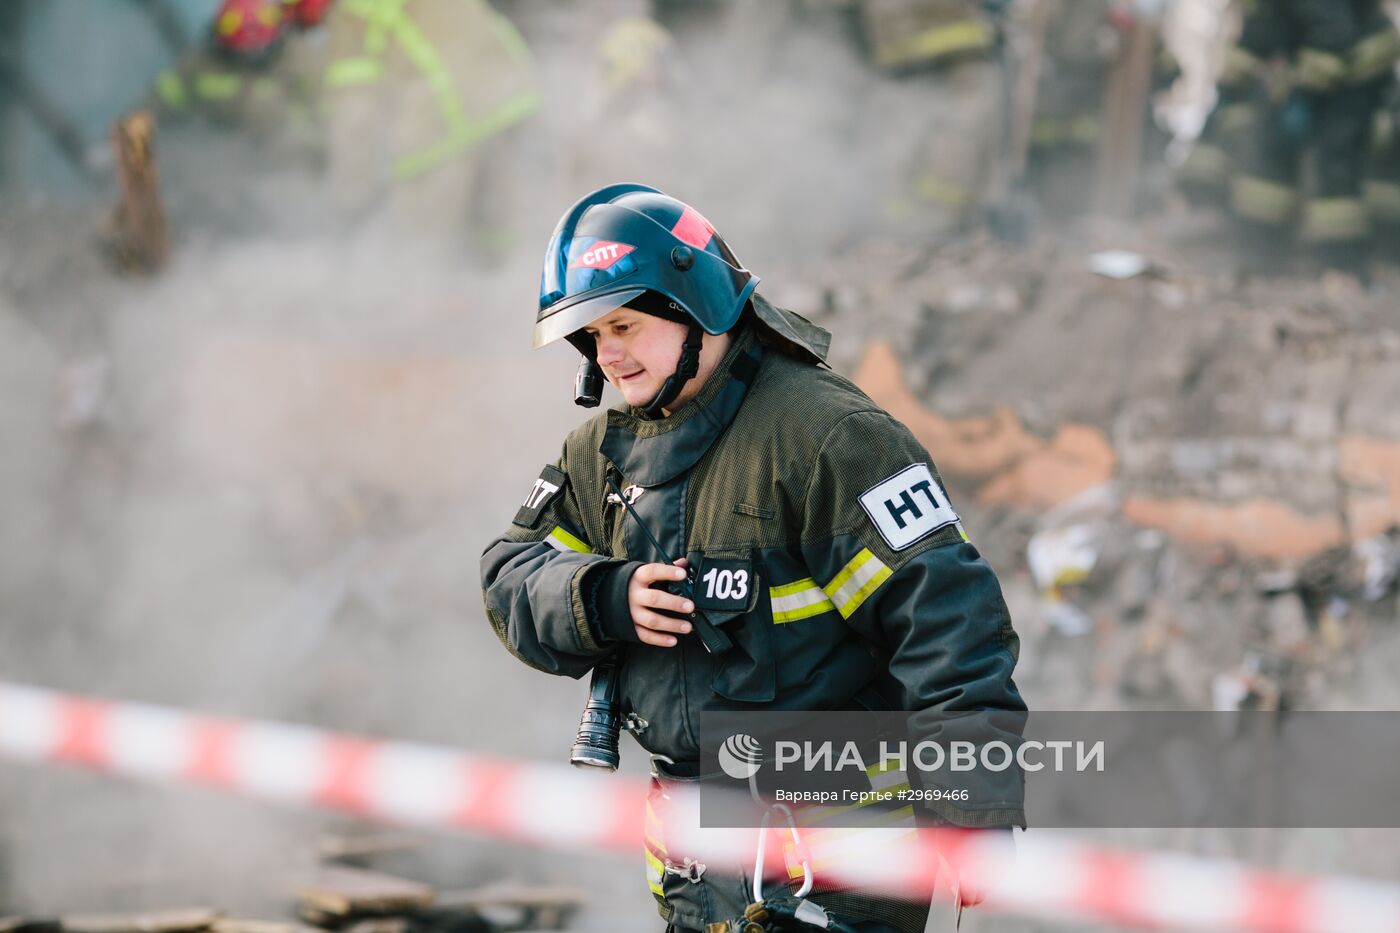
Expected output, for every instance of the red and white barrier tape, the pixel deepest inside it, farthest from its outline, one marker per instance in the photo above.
(558, 807)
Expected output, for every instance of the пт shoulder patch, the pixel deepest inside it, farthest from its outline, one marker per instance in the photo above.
(908, 506)
(549, 485)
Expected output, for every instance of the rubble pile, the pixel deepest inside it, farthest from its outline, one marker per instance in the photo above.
(1189, 479)
(346, 899)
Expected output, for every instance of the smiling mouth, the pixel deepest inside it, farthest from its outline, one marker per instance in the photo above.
(630, 376)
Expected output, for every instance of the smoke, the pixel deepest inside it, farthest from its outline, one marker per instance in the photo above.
(292, 445)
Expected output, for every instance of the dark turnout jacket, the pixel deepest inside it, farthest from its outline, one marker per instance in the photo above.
(822, 541)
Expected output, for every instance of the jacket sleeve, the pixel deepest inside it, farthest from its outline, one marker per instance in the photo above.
(554, 603)
(882, 539)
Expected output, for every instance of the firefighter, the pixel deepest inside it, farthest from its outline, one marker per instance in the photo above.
(1084, 43)
(1204, 176)
(231, 73)
(1337, 54)
(735, 455)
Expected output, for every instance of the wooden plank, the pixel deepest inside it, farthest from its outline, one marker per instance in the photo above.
(340, 891)
(1124, 121)
(139, 235)
(378, 925)
(187, 920)
(247, 925)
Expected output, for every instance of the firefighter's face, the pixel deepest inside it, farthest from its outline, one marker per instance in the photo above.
(638, 352)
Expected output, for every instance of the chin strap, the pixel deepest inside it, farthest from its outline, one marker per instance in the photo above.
(686, 369)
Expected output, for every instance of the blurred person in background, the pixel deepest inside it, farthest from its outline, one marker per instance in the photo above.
(234, 75)
(1085, 41)
(739, 484)
(1293, 125)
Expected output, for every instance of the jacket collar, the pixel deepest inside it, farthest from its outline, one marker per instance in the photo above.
(650, 452)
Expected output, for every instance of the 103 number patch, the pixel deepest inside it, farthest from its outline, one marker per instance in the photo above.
(724, 585)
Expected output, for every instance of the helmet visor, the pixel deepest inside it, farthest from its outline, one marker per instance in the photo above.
(565, 321)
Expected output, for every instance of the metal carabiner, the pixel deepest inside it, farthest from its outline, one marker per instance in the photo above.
(691, 870)
(807, 877)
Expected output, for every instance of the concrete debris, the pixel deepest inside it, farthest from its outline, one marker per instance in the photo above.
(165, 921)
(342, 891)
(243, 925)
(1059, 559)
(358, 900)
(518, 907)
(1273, 582)
(1380, 564)
(1064, 616)
(1257, 684)
(1119, 264)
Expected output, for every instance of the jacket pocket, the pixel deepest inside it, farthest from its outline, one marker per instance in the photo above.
(729, 589)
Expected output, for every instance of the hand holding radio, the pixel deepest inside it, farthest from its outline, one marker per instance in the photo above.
(660, 605)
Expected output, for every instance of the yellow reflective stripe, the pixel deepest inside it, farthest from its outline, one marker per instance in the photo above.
(216, 85)
(813, 817)
(170, 88)
(426, 59)
(349, 72)
(1334, 219)
(561, 540)
(1266, 202)
(1319, 70)
(883, 767)
(856, 581)
(1383, 199)
(510, 38)
(1240, 63)
(502, 118)
(1374, 55)
(386, 19)
(894, 779)
(656, 870)
(800, 600)
(380, 17)
(968, 36)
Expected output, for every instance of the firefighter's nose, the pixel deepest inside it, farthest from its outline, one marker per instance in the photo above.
(610, 351)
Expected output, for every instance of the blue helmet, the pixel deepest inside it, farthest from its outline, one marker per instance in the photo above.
(632, 244)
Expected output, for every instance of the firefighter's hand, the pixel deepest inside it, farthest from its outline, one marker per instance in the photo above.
(643, 600)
